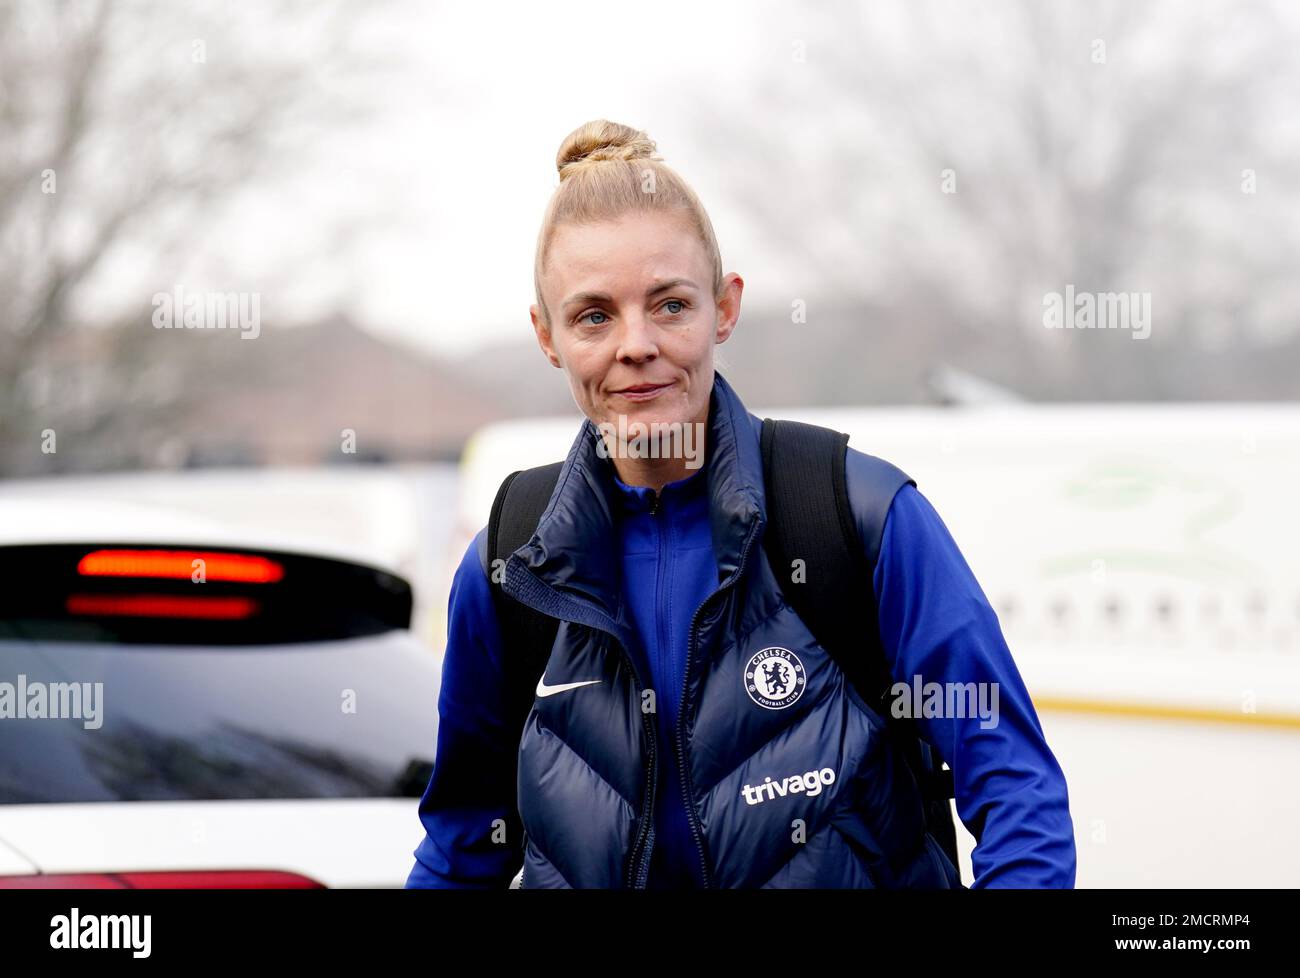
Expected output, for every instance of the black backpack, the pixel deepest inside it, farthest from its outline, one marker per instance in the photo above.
(808, 515)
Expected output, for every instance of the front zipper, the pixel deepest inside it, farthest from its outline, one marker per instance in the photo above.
(643, 877)
(638, 874)
(693, 636)
(661, 620)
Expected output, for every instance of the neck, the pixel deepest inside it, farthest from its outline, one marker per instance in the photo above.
(652, 472)
(676, 458)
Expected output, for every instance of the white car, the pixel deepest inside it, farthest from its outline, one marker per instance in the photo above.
(180, 708)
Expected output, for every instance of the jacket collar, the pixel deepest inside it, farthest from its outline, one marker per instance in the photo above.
(641, 499)
(571, 567)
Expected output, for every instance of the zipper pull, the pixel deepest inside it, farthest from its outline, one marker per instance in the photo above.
(654, 507)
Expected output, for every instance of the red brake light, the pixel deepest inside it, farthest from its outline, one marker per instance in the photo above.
(219, 879)
(64, 881)
(161, 606)
(179, 565)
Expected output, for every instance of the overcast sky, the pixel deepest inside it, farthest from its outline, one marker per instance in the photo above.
(455, 170)
(445, 179)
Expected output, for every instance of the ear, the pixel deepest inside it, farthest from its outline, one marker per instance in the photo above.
(729, 306)
(543, 333)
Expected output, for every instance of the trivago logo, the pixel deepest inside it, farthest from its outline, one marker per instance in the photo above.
(796, 784)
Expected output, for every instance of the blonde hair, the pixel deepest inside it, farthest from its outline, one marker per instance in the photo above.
(606, 171)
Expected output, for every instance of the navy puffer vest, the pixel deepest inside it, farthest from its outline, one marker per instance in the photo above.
(790, 779)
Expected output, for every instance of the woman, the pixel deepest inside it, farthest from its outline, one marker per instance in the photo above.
(688, 729)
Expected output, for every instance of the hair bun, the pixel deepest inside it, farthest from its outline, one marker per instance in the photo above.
(602, 140)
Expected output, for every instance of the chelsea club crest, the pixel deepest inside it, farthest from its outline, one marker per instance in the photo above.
(774, 678)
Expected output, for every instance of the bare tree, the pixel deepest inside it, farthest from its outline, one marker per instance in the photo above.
(125, 128)
(953, 163)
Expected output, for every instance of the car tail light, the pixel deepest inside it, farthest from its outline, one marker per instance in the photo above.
(180, 565)
(197, 879)
(160, 606)
(123, 593)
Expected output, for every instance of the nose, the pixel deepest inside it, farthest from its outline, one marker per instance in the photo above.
(636, 342)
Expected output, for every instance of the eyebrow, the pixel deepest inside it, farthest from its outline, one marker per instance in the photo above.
(672, 283)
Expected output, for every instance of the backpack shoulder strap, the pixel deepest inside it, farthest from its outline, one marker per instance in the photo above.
(809, 519)
(526, 635)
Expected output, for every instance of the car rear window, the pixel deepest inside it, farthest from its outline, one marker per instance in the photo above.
(348, 718)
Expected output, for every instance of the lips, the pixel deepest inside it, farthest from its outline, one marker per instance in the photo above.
(643, 392)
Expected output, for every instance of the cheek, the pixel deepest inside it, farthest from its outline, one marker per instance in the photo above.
(695, 345)
(579, 362)
(585, 375)
(701, 332)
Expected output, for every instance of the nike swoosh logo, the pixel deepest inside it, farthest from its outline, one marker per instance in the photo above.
(544, 690)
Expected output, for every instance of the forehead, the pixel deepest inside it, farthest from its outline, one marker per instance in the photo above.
(635, 248)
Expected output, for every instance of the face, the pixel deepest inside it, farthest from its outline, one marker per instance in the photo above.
(634, 320)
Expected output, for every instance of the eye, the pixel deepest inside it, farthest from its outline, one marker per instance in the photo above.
(675, 302)
(595, 312)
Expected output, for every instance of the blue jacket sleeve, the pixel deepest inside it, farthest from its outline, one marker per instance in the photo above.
(468, 809)
(937, 624)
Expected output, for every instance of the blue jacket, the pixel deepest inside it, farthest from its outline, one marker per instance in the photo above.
(801, 788)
